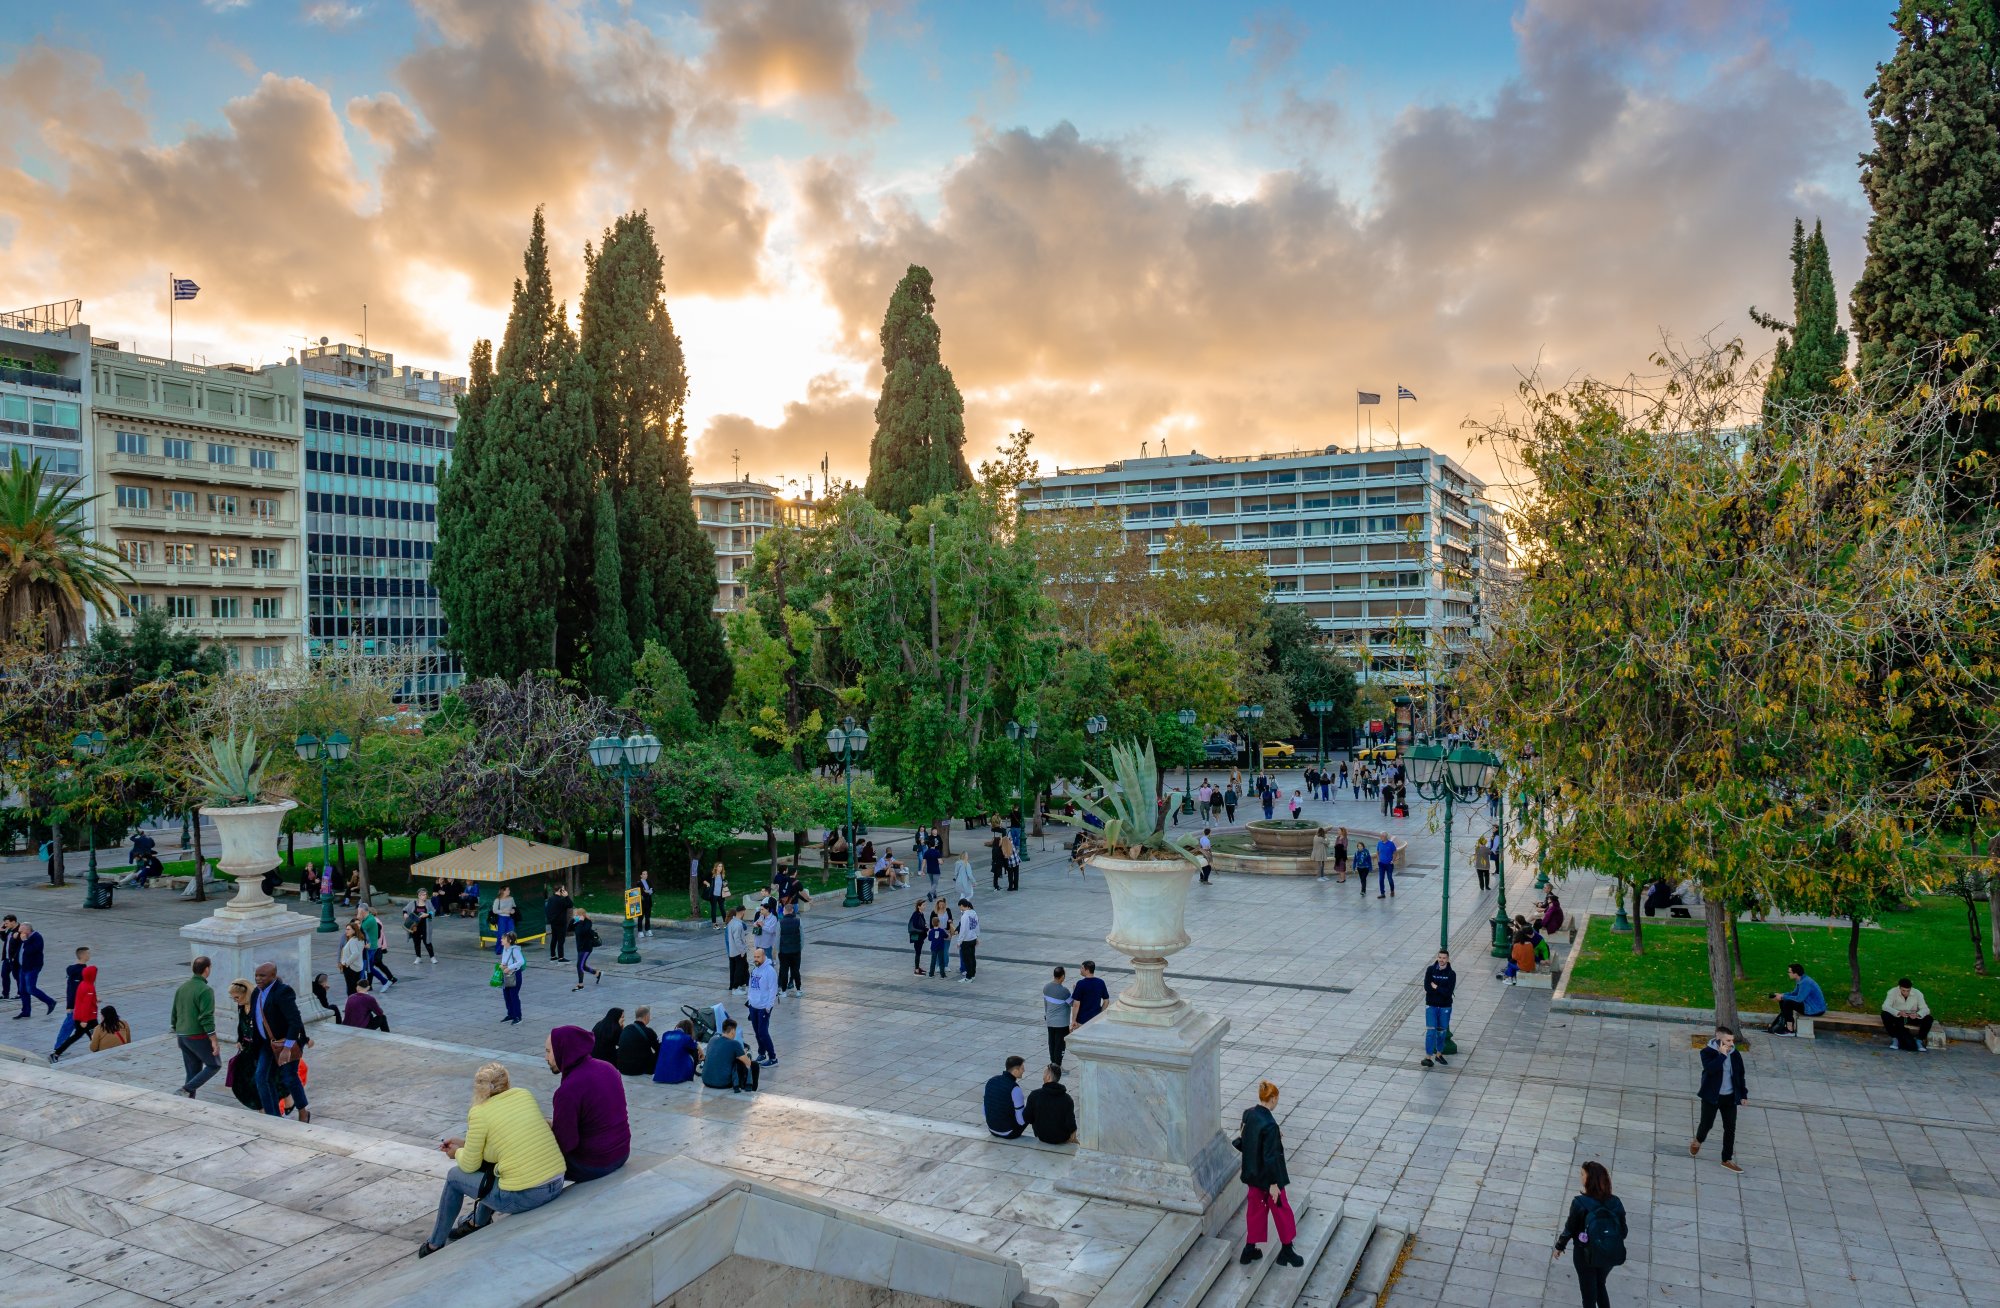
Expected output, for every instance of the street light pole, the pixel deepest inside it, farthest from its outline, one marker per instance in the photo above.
(1462, 774)
(630, 757)
(1320, 708)
(333, 749)
(848, 741)
(90, 746)
(1187, 718)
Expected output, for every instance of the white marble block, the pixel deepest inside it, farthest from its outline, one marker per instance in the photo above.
(237, 942)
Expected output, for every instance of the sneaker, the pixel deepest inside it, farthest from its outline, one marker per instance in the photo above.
(1923, 1047)
(1441, 1062)
(1511, 981)
(1731, 1164)
(1426, 1062)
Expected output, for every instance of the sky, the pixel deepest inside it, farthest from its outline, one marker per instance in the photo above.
(1207, 225)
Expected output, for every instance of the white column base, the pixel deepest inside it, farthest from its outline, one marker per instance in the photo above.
(237, 939)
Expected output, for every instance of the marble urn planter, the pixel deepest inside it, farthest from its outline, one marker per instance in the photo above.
(1149, 1071)
(252, 928)
(1283, 835)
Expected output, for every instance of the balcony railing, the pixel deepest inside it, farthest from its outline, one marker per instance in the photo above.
(211, 574)
(53, 381)
(168, 520)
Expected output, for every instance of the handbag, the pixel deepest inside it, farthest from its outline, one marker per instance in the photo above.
(499, 977)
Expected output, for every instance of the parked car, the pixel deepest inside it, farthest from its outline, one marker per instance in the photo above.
(1278, 749)
(1220, 750)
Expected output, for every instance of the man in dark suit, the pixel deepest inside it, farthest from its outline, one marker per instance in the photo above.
(275, 1011)
(31, 971)
(555, 913)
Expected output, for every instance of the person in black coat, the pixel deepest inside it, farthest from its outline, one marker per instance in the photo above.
(1593, 1262)
(1051, 1112)
(638, 1044)
(1722, 1089)
(243, 1066)
(604, 1036)
(283, 1034)
(1265, 1176)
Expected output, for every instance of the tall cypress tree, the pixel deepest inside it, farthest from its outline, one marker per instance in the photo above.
(1812, 355)
(610, 642)
(919, 446)
(639, 393)
(505, 497)
(1933, 180)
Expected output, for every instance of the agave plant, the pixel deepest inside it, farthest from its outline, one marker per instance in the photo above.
(233, 773)
(1128, 806)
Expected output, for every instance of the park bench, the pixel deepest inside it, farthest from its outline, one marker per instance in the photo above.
(1860, 1023)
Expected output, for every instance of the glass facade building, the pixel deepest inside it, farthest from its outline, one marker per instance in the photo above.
(375, 437)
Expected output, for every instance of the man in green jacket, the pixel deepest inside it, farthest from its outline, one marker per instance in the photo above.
(194, 1028)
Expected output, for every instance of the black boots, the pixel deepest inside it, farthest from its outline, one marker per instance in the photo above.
(1286, 1258)
(1251, 1253)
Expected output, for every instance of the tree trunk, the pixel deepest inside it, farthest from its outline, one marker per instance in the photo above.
(771, 845)
(1638, 924)
(378, 847)
(942, 829)
(1736, 946)
(56, 855)
(1854, 999)
(1993, 891)
(1038, 813)
(291, 850)
(1972, 923)
(340, 858)
(361, 865)
(694, 879)
(200, 863)
(1721, 975)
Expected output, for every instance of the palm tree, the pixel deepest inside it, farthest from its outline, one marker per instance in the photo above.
(50, 569)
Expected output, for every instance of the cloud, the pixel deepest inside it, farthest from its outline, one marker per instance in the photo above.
(1570, 221)
(224, 6)
(773, 52)
(833, 421)
(330, 14)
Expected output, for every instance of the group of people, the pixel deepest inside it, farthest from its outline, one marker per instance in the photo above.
(1353, 851)
(23, 955)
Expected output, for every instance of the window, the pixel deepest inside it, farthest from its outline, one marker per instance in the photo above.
(1167, 487)
(131, 604)
(1352, 472)
(1222, 481)
(1382, 497)
(265, 459)
(222, 454)
(1314, 474)
(273, 607)
(1255, 531)
(1256, 504)
(135, 551)
(1410, 467)
(264, 658)
(1318, 501)
(263, 508)
(180, 606)
(181, 501)
(175, 448)
(1195, 509)
(131, 442)
(1322, 527)
(263, 558)
(1347, 500)
(223, 556)
(223, 504)
(1254, 478)
(225, 606)
(1287, 477)
(134, 497)
(180, 555)
(1284, 530)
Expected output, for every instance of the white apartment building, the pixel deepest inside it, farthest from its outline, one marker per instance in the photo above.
(735, 515)
(1381, 547)
(45, 389)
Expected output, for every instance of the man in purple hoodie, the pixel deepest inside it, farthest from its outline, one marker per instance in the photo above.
(590, 1122)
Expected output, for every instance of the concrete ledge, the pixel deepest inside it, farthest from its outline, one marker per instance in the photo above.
(1989, 1036)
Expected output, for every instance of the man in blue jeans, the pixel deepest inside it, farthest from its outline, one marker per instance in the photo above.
(276, 1015)
(763, 998)
(1385, 867)
(1439, 983)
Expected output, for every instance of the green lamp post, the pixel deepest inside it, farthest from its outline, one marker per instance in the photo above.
(1187, 717)
(631, 757)
(1022, 735)
(1250, 715)
(847, 742)
(1462, 774)
(1320, 708)
(88, 747)
(333, 749)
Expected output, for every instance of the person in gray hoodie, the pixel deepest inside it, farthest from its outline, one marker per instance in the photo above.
(1722, 1088)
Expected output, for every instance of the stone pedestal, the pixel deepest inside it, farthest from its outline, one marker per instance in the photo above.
(236, 942)
(1149, 1108)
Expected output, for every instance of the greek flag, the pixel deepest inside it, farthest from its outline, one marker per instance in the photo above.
(185, 289)
(1403, 393)
(1367, 397)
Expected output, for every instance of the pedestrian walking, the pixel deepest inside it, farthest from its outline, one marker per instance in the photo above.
(718, 895)
(736, 943)
(585, 932)
(241, 1077)
(919, 927)
(82, 1017)
(1206, 847)
(933, 858)
(1229, 800)
(559, 908)
(1482, 863)
(1597, 1225)
(961, 879)
(1722, 1090)
(417, 925)
(1265, 1179)
(511, 967)
(1340, 856)
(353, 956)
(1439, 983)
(1267, 796)
(10, 954)
(282, 1036)
(1385, 867)
(791, 948)
(968, 941)
(371, 927)
(937, 934)
(645, 925)
(1319, 854)
(763, 998)
(193, 1021)
(1364, 863)
(1058, 1011)
(31, 971)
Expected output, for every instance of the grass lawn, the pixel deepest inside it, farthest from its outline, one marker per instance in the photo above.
(1930, 945)
(602, 879)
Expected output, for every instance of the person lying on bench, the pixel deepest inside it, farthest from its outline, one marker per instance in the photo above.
(1907, 1018)
(1804, 998)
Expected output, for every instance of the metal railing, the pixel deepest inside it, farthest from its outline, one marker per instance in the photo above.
(53, 381)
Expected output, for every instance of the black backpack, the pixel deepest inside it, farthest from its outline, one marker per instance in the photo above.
(1603, 1246)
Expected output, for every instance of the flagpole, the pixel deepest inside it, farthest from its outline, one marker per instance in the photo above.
(170, 317)
(1399, 415)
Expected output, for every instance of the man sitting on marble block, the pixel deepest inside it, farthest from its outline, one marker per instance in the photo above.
(1051, 1112)
(1006, 1107)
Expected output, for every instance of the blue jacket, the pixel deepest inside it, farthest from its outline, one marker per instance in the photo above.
(1807, 995)
(676, 1062)
(1385, 853)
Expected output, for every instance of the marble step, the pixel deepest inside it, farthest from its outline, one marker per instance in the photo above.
(1329, 1280)
(1151, 1263)
(1316, 1232)
(1237, 1284)
(1197, 1270)
(1378, 1261)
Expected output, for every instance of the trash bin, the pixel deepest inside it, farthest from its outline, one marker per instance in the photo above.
(102, 898)
(864, 886)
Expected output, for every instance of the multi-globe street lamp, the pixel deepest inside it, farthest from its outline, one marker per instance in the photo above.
(1022, 735)
(332, 749)
(88, 747)
(846, 742)
(1320, 708)
(630, 757)
(1461, 774)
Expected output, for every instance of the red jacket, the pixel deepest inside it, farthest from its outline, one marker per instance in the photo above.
(86, 996)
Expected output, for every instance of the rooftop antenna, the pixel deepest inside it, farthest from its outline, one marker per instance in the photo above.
(1143, 447)
(736, 457)
(364, 325)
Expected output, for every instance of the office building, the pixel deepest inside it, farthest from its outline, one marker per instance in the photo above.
(735, 515)
(1378, 546)
(375, 436)
(44, 389)
(197, 472)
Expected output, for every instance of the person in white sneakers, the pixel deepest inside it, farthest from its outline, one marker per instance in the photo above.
(1907, 1018)
(736, 943)
(968, 941)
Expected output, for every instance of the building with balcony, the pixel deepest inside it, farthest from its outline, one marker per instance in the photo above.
(375, 436)
(44, 389)
(197, 472)
(1378, 546)
(735, 515)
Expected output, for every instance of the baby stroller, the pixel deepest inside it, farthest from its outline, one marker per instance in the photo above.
(707, 1021)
